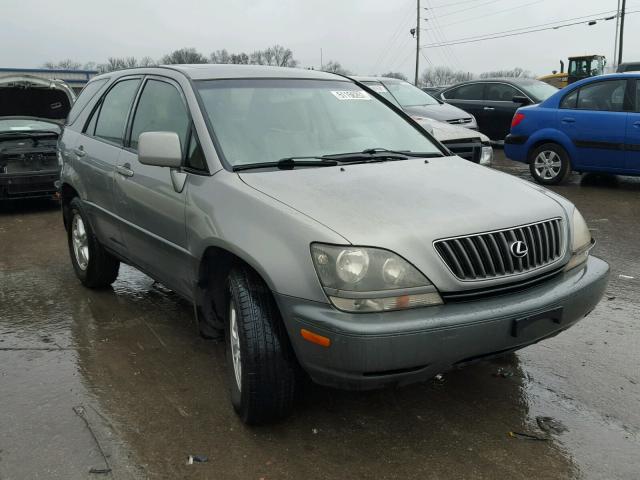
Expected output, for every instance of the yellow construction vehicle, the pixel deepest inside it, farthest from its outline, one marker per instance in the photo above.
(579, 67)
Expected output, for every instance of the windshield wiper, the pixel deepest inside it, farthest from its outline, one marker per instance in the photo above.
(289, 163)
(381, 154)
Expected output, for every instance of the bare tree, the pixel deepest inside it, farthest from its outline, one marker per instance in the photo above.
(67, 64)
(147, 62)
(440, 76)
(220, 56)
(184, 56)
(275, 56)
(117, 63)
(335, 67)
(398, 75)
(280, 56)
(516, 72)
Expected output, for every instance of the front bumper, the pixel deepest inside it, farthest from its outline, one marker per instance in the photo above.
(29, 185)
(394, 348)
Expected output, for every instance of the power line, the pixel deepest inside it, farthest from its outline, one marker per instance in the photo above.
(454, 4)
(438, 34)
(469, 8)
(477, 17)
(394, 38)
(496, 35)
(546, 24)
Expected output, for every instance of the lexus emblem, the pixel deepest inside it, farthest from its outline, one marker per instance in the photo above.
(519, 249)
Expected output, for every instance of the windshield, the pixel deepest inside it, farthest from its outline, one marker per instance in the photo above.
(409, 95)
(540, 91)
(265, 120)
(27, 125)
(379, 88)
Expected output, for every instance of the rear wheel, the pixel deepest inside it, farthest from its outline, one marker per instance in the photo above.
(94, 266)
(550, 164)
(261, 368)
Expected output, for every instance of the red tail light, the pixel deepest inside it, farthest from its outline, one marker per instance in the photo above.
(517, 119)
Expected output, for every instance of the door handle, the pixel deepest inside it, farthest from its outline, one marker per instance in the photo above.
(124, 170)
(568, 120)
(488, 108)
(79, 151)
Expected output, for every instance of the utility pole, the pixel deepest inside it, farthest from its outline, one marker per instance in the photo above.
(417, 44)
(615, 39)
(624, 6)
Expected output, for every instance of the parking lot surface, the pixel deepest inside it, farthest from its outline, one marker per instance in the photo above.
(119, 381)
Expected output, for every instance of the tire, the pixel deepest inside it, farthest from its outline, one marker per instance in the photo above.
(262, 378)
(94, 266)
(550, 164)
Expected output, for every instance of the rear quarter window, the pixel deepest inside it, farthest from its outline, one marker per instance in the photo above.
(86, 95)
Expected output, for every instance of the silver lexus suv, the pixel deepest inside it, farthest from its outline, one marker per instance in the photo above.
(316, 227)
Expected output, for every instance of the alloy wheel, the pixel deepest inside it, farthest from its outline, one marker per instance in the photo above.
(547, 165)
(234, 340)
(80, 242)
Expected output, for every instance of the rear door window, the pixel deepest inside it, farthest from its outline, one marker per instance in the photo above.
(501, 92)
(114, 110)
(474, 91)
(160, 109)
(570, 100)
(603, 96)
(88, 92)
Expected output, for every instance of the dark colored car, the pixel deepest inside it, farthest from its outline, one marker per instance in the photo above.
(434, 91)
(417, 103)
(590, 126)
(31, 114)
(628, 67)
(493, 102)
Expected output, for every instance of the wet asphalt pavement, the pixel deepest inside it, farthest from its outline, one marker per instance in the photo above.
(120, 380)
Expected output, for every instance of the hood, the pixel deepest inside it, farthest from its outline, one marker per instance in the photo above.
(405, 205)
(443, 112)
(29, 96)
(445, 132)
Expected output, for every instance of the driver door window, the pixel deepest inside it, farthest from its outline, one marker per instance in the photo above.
(160, 109)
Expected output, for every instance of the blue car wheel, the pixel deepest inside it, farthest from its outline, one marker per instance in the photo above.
(549, 164)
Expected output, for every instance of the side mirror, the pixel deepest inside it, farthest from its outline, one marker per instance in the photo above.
(161, 149)
(521, 99)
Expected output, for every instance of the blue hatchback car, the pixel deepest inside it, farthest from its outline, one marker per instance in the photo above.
(589, 126)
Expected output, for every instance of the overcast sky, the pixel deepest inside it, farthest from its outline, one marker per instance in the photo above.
(366, 36)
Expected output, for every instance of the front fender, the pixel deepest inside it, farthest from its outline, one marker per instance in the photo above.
(273, 238)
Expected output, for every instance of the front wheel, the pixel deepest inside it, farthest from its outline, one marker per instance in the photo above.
(94, 266)
(550, 164)
(261, 368)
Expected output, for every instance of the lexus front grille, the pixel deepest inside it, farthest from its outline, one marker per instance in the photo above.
(501, 253)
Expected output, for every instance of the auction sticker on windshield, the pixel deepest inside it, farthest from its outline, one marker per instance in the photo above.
(351, 95)
(378, 88)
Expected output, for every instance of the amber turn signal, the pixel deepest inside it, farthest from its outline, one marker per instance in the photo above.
(315, 338)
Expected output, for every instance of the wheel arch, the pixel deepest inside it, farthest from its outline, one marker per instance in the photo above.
(67, 193)
(549, 136)
(214, 266)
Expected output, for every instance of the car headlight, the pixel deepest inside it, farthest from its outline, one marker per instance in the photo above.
(486, 156)
(581, 241)
(363, 279)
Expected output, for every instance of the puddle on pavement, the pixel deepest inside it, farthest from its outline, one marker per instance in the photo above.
(132, 354)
